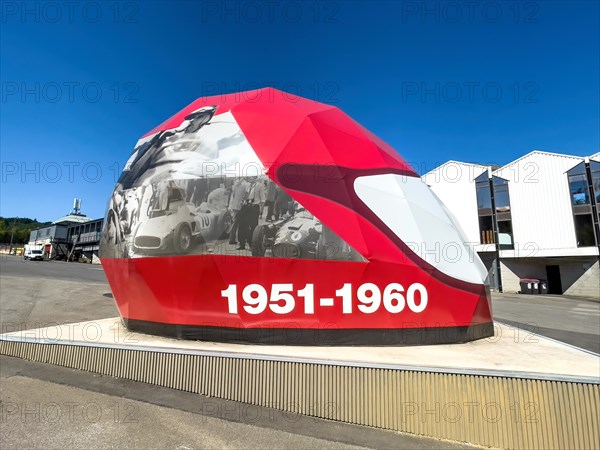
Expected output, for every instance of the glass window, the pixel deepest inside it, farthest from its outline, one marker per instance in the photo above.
(579, 190)
(486, 230)
(484, 196)
(505, 235)
(584, 230)
(501, 196)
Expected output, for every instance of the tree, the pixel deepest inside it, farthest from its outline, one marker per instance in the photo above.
(19, 228)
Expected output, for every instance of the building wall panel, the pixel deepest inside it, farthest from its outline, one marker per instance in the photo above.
(513, 270)
(583, 279)
(454, 184)
(540, 201)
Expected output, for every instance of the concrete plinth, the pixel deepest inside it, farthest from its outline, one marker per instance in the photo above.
(515, 390)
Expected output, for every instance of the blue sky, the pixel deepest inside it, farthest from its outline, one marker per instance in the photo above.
(473, 81)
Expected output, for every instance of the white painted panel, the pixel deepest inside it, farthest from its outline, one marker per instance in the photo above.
(454, 184)
(411, 210)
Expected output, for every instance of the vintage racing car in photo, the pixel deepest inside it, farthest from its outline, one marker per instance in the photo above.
(293, 237)
(300, 236)
(177, 228)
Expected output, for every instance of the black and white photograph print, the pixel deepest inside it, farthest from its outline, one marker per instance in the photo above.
(247, 216)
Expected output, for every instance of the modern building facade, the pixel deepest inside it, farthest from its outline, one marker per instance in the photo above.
(536, 217)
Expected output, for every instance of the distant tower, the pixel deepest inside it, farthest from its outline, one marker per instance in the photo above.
(76, 206)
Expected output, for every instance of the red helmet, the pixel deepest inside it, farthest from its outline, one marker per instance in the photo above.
(346, 246)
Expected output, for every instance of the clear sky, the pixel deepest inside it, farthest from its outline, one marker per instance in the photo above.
(472, 81)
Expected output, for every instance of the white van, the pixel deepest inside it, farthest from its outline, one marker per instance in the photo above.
(34, 252)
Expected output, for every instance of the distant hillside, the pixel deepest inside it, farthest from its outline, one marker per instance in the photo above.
(22, 228)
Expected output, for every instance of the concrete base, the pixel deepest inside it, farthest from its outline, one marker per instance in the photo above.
(515, 390)
(511, 352)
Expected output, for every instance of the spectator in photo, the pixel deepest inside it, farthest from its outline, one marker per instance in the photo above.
(270, 199)
(201, 191)
(121, 211)
(249, 213)
(163, 195)
(189, 190)
(259, 195)
(293, 206)
(239, 194)
(146, 201)
(196, 191)
(282, 203)
(130, 211)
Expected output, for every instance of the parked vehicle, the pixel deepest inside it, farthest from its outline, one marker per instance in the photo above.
(175, 227)
(175, 231)
(295, 237)
(34, 252)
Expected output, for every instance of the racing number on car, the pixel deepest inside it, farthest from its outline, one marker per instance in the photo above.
(204, 222)
(283, 298)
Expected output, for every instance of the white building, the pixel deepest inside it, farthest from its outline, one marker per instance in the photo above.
(536, 217)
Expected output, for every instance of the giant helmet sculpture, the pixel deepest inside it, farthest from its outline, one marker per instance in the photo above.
(262, 217)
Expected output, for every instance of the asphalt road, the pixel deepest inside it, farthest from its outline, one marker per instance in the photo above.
(35, 294)
(575, 321)
(56, 270)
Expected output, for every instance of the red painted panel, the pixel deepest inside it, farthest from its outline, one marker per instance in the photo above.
(187, 290)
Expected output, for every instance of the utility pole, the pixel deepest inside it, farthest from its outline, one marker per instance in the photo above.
(12, 234)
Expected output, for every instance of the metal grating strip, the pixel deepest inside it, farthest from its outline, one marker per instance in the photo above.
(491, 411)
